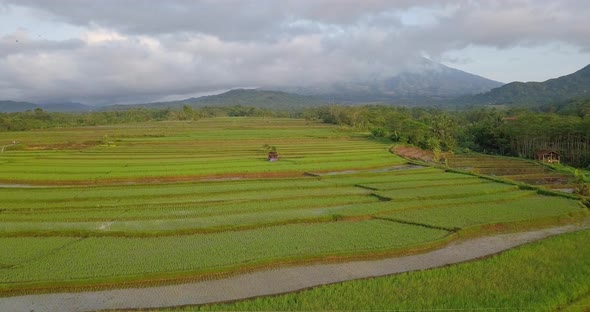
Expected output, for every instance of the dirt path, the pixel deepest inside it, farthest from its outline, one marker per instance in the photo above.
(276, 281)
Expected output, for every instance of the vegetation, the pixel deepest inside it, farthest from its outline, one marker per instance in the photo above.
(38, 118)
(514, 132)
(184, 150)
(544, 276)
(516, 169)
(535, 94)
(144, 203)
(140, 258)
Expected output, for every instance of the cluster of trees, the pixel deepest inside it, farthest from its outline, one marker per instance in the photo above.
(514, 132)
(427, 128)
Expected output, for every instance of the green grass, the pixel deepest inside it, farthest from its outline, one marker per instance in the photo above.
(218, 146)
(446, 191)
(168, 200)
(104, 258)
(512, 168)
(469, 215)
(543, 276)
(581, 305)
(17, 251)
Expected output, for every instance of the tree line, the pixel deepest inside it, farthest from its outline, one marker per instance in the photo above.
(508, 132)
(40, 119)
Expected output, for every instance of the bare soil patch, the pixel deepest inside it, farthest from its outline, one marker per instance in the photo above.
(412, 152)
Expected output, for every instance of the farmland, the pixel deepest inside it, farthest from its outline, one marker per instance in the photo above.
(514, 169)
(545, 276)
(148, 203)
(174, 151)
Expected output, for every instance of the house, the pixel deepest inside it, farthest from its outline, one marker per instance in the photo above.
(273, 156)
(548, 156)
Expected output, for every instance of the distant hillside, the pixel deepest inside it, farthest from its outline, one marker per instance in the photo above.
(13, 107)
(243, 97)
(535, 94)
(425, 82)
(66, 107)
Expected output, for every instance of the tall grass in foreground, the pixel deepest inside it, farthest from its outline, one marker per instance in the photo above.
(543, 276)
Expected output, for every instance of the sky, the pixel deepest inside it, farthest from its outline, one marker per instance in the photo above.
(133, 51)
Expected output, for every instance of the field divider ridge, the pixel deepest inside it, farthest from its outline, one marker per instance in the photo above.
(434, 227)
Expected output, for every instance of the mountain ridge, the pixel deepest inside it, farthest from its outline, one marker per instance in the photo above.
(535, 94)
(234, 97)
(7, 106)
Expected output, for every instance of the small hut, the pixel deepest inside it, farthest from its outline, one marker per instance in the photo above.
(548, 156)
(273, 156)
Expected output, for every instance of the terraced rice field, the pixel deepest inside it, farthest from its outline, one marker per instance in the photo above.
(173, 151)
(514, 169)
(550, 275)
(182, 201)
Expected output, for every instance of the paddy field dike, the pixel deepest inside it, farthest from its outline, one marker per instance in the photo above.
(166, 202)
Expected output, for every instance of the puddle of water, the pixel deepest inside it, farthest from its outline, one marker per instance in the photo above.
(21, 186)
(565, 190)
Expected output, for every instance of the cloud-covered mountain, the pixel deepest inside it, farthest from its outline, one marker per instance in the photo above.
(424, 82)
(108, 51)
(427, 84)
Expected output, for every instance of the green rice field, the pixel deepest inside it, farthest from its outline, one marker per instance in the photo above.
(551, 275)
(149, 203)
(516, 169)
(183, 150)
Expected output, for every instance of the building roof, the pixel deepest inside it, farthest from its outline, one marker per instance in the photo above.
(547, 152)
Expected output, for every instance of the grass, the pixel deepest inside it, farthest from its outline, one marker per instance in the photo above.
(102, 258)
(170, 200)
(427, 196)
(446, 191)
(516, 169)
(544, 276)
(151, 151)
(17, 251)
(468, 214)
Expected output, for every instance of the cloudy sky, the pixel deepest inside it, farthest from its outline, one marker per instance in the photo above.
(125, 51)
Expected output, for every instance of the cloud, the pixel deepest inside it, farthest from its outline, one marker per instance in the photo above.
(139, 50)
(226, 19)
(21, 43)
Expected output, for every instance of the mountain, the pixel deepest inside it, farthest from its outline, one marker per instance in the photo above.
(424, 82)
(66, 107)
(259, 98)
(13, 107)
(535, 94)
(243, 97)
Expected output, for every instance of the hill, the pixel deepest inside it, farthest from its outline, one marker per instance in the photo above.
(66, 107)
(13, 107)
(243, 97)
(535, 94)
(425, 82)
